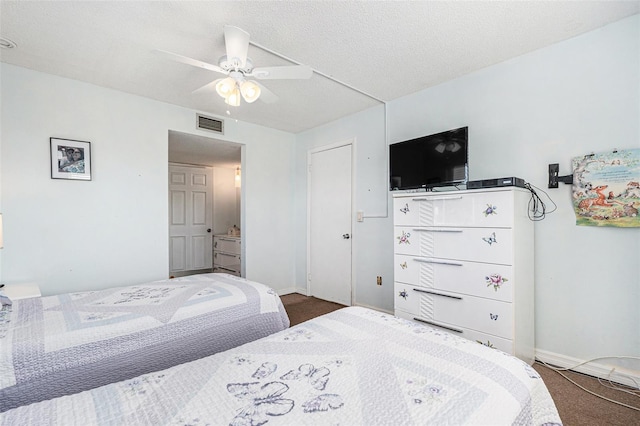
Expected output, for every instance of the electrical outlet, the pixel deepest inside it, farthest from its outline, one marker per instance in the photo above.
(379, 280)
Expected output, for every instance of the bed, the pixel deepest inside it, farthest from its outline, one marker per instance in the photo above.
(354, 366)
(59, 345)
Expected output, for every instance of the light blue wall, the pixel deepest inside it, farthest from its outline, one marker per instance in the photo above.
(567, 100)
(76, 235)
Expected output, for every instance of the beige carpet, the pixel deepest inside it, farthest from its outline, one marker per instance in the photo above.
(576, 407)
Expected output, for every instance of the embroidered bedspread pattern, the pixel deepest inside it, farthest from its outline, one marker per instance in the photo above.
(57, 345)
(351, 367)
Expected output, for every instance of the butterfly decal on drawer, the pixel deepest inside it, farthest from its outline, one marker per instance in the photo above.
(405, 209)
(403, 294)
(490, 239)
(494, 317)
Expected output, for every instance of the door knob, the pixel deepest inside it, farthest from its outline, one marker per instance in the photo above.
(346, 236)
(209, 230)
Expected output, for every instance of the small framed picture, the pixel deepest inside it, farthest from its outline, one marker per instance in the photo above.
(70, 159)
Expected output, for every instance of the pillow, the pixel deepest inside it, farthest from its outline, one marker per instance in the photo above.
(4, 299)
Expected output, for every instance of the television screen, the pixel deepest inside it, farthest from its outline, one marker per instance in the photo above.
(430, 161)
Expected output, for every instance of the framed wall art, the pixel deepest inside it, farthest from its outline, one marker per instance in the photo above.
(606, 189)
(70, 159)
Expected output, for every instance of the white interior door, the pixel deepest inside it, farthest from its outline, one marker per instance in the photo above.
(329, 258)
(190, 218)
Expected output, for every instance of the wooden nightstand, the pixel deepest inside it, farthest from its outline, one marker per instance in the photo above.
(21, 291)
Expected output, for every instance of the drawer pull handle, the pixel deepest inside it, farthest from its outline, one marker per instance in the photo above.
(225, 269)
(437, 230)
(439, 262)
(419, 290)
(439, 325)
(436, 198)
(226, 254)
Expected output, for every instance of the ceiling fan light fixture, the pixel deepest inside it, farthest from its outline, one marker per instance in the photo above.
(225, 87)
(250, 91)
(233, 98)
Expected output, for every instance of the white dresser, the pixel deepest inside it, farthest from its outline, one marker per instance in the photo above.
(226, 254)
(463, 261)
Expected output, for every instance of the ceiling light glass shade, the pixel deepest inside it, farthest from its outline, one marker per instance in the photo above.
(225, 86)
(250, 91)
(234, 98)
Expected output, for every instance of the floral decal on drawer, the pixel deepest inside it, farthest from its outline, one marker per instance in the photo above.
(403, 294)
(495, 280)
(490, 210)
(404, 238)
(488, 344)
(403, 265)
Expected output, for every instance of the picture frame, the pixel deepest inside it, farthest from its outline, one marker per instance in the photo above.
(70, 159)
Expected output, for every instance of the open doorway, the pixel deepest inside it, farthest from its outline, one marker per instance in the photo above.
(204, 204)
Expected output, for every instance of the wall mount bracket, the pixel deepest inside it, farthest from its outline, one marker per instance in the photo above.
(554, 178)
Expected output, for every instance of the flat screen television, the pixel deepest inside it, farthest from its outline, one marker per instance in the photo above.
(430, 161)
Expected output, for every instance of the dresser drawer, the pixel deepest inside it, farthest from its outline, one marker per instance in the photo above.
(493, 245)
(226, 260)
(226, 244)
(405, 298)
(505, 345)
(489, 280)
(475, 313)
(485, 209)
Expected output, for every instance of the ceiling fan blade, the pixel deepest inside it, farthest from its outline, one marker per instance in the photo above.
(207, 88)
(266, 95)
(190, 61)
(282, 73)
(237, 42)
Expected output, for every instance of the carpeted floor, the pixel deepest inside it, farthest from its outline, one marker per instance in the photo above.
(302, 308)
(576, 407)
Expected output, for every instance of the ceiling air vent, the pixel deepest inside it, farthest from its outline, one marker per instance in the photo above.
(207, 123)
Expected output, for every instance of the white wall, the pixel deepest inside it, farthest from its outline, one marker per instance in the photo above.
(567, 100)
(225, 203)
(572, 98)
(76, 235)
(372, 251)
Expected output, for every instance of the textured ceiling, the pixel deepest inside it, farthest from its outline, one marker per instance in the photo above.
(386, 49)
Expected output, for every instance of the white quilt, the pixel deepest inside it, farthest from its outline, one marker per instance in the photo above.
(68, 343)
(351, 367)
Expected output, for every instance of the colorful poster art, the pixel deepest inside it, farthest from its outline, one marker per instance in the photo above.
(606, 189)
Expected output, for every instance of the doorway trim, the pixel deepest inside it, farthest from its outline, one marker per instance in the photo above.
(348, 142)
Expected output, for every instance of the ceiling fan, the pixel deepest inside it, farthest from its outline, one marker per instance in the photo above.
(239, 69)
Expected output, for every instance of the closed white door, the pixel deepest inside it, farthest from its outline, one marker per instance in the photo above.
(329, 246)
(190, 218)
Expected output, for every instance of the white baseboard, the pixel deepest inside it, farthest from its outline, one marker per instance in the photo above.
(611, 372)
(374, 308)
(290, 290)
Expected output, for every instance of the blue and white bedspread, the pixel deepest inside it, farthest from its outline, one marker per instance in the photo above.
(353, 366)
(64, 344)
